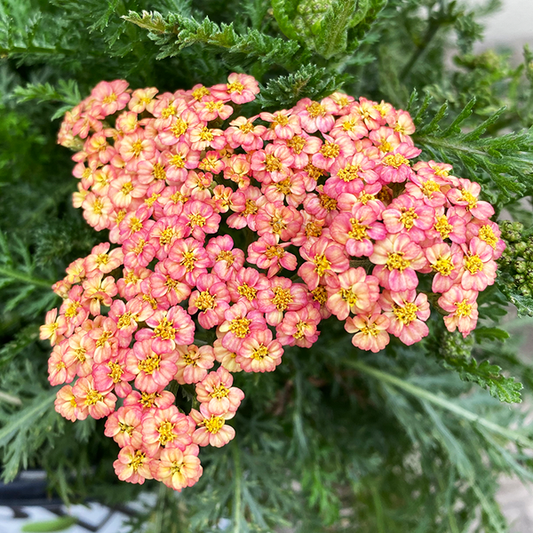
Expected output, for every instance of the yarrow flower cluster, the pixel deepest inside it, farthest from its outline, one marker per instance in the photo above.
(336, 219)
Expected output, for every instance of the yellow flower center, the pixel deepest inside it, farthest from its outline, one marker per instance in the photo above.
(320, 295)
(348, 296)
(284, 186)
(358, 231)
(250, 208)
(240, 327)
(260, 353)
(282, 298)
(206, 134)
(467, 196)
(179, 127)
(109, 99)
(272, 163)
(188, 261)
(487, 234)
(137, 148)
(297, 144)
(72, 309)
(473, 264)
(177, 161)
(158, 172)
(148, 399)
(300, 330)
(219, 392)
(116, 372)
(277, 224)
(93, 397)
(321, 264)
(137, 461)
(98, 207)
(169, 111)
(443, 226)
(247, 292)
(213, 424)
(199, 93)
(196, 219)
(370, 329)
(279, 120)
(405, 314)
(429, 187)
(165, 329)
(135, 225)
(214, 105)
(247, 127)
(150, 364)
(125, 320)
(408, 217)
(349, 173)
(166, 433)
(313, 172)
(104, 337)
(396, 261)
(463, 308)
(125, 428)
(444, 266)
(328, 203)
(235, 87)
(313, 230)
(166, 236)
(316, 110)
(80, 354)
(395, 160)
(330, 150)
(205, 301)
(127, 188)
(226, 255)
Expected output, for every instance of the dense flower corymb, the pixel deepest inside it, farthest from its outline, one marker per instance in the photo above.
(256, 228)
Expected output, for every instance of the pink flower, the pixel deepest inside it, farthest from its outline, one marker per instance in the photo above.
(187, 260)
(212, 429)
(53, 328)
(102, 261)
(272, 164)
(370, 331)
(241, 89)
(60, 369)
(351, 291)
(114, 374)
(227, 260)
(315, 116)
(240, 323)
(479, 267)
(99, 290)
(446, 262)
(166, 428)
(153, 371)
(299, 327)
(395, 167)
(133, 465)
(283, 124)
(397, 258)
(354, 230)
(242, 132)
(124, 426)
(225, 357)
(99, 404)
(332, 151)
(193, 363)
(267, 253)
(278, 219)
(110, 97)
(407, 313)
(211, 299)
(170, 328)
(68, 406)
(201, 218)
(406, 215)
(466, 195)
(462, 306)
(260, 353)
(322, 259)
(177, 468)
(210, 108)
(217, 392)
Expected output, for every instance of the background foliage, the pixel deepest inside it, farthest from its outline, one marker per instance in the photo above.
(412, 439)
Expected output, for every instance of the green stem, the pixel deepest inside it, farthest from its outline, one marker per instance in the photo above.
(433, 27)
(10, 399)
(442, 402)
(379, 509)
(237, 495)
(23, 277)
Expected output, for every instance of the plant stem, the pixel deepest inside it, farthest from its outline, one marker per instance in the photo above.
(23, 277)
(10, 399)
(442, 402)
(237, 495)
